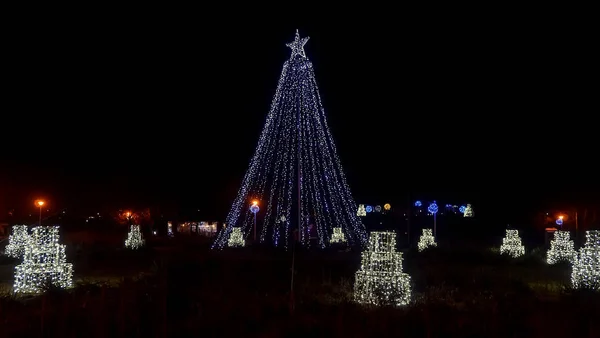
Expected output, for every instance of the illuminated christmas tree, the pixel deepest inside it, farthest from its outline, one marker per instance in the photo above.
(427, 240)
(361, 210)
(44, 263)
(134, 240)
(562, 248)
(586, 269)
(17, 241)
(295, 171)
(380, 280)
(468, 211)
(511, 244)
(236, 238)
(338, 236)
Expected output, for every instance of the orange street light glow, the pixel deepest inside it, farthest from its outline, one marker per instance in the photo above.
(561, 217)
(40, 203)
(255, 202)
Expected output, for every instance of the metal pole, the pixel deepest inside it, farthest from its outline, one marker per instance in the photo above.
(292, 306)
(434, 226)
(254, 227)
(40, 215)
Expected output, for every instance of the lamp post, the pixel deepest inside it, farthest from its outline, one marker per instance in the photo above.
(254, 209)
(559, 221)
(433, 208)
(40, 204)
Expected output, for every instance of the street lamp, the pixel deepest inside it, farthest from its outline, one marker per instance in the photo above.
(560, 221)
(40, 204)
(254, 209)
(433, 209)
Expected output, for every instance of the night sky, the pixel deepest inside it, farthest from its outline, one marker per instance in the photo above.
(126, 112)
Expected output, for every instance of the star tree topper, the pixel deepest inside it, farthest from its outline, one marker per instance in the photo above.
(297, 45)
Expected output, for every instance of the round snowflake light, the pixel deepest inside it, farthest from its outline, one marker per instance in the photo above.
(387, 207)
(378, 208)
(369, 208)
(418, 203)
(461, 209)
(559, 221)
(433, 208)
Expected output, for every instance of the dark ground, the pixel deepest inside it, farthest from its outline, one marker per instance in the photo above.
(180, 288)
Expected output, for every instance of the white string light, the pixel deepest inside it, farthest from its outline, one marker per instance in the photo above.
(338, 236)
(44, 263)
(295, 148)
(380, 280)
(468, 211)
(17, 241)
(361, 210)
(134, 240)
(511, 244)
(236, 239)
(586, 269)
(562, 248)
(426, 240)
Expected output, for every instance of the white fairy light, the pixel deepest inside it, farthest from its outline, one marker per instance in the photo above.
(586, 269)
(338, 236)
(295, 165)
(511, 244)
(468, 211)
(236, 238)
(426, 240)
(44, 263)
(17, 241)
(380, 280)
(562, 248)
(134, 240)
(361, 211)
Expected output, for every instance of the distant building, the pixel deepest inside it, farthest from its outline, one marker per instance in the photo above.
(208, 229)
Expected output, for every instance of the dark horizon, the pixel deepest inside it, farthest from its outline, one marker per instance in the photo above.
(489, 116)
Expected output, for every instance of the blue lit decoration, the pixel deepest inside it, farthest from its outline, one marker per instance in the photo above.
(462, 209)
(559, 221)
(369, 208)
(378, 208)
(296, 165)
(418, 203)
(254, 208)
(433, 208)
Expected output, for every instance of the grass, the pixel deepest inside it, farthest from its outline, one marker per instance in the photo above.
(180, 288)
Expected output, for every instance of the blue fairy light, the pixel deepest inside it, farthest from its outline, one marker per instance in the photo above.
(433, 208)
